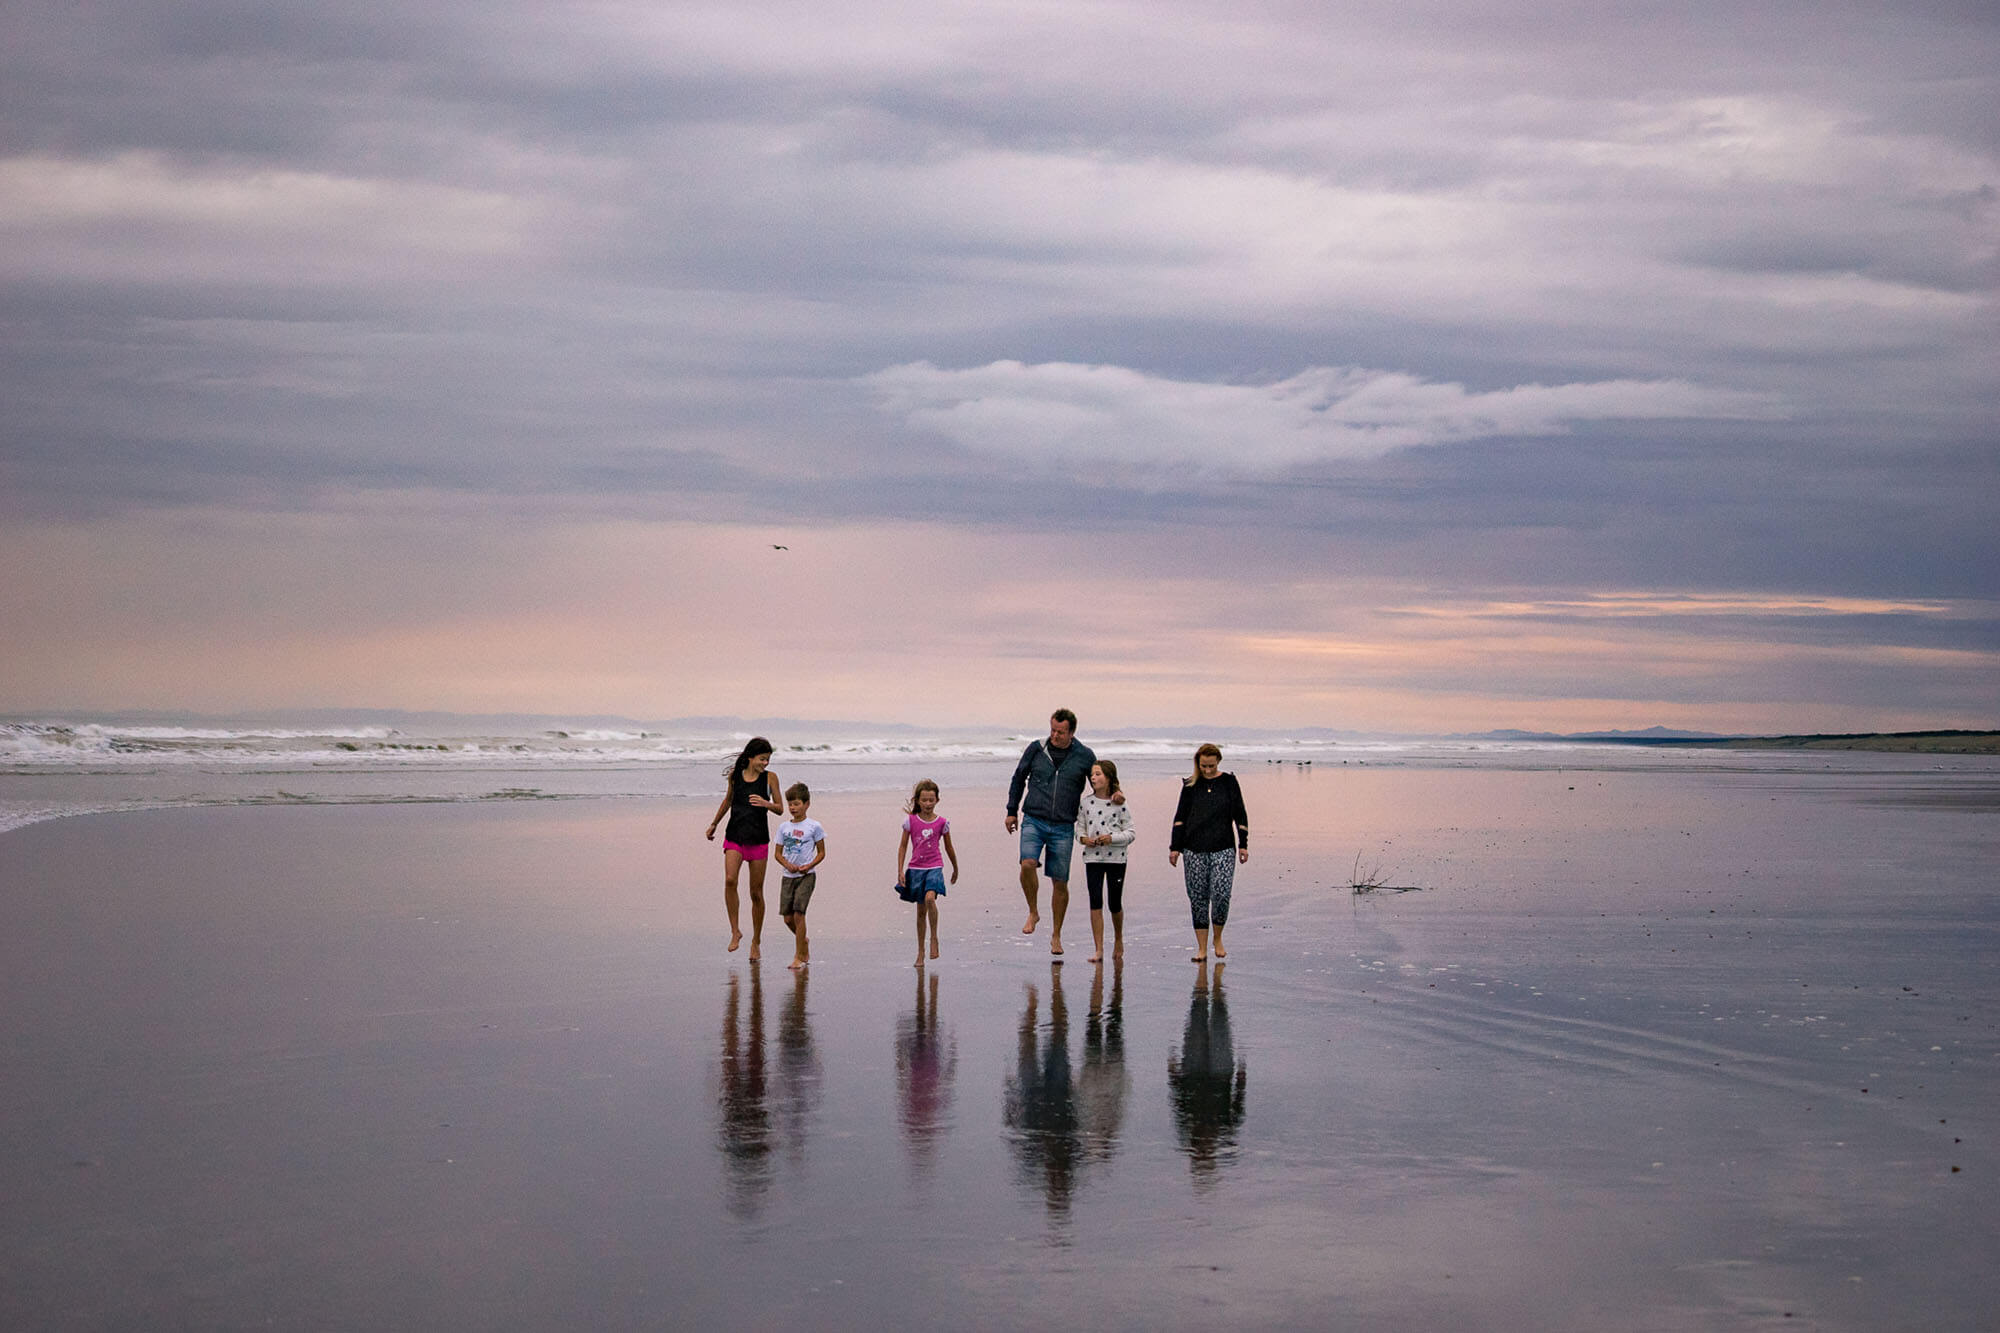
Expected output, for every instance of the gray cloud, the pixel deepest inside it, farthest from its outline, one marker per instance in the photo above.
(1085, 415)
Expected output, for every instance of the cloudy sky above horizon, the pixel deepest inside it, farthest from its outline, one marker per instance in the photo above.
(1412, 366)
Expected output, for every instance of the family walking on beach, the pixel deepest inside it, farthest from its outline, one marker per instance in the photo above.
(1062, 799)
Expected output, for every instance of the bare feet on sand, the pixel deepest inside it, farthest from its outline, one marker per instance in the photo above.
(1097, 957)
(735, 938)
(934, 948)
(1220, 952)
(1034, 920)
(795, 964)
(1055, 946)
(1200, 958)
(756, 950)
(920, 959)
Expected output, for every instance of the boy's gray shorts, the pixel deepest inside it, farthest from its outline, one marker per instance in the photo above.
(794, 892)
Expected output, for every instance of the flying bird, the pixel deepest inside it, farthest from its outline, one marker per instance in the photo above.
(776, 547)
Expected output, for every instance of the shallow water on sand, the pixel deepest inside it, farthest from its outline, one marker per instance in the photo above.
(1649, 1049)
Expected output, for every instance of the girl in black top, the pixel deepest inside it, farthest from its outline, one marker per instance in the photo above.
(753, 793)
(1212, 831)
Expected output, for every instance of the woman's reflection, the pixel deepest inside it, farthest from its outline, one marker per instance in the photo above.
(1101, 1084)
(1041, 1101)
(1207, 1082)
(926, 1061)
(746, 1118)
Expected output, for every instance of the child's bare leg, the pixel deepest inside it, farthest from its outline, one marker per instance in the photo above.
(1096, 936)
(1117, 934)
(922, 918)
(1031, 890)
(732, 862)
(801, 954)
(756, 910)
(1058, 905)
(930, 905)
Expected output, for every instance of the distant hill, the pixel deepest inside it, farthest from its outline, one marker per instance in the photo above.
(1894, 742)
(1644, 736)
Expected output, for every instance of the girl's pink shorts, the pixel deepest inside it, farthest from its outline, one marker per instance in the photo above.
(756, 853)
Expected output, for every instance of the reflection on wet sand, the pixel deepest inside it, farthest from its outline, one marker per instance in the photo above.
(745, 1136)
(1041, 1103)
(1102, 1083)
(926, 1062)
(1207, 1083)
(757, 1118)
(798, 1090)
(1059, 1123)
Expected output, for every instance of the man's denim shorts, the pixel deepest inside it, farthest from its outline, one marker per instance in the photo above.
(1039, 836)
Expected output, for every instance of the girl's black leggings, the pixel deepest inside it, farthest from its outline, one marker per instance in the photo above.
(1101, 875)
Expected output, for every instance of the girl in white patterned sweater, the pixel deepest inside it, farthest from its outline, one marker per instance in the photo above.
(1103, 833)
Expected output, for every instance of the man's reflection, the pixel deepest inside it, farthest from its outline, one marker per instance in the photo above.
(926, 1061)
(1206, 1084)
(1041, 1101)
(746, 1118)
(1101, 1083)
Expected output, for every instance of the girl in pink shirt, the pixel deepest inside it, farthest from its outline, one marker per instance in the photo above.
(925, 844)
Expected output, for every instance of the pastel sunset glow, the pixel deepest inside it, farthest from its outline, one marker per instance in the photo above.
(1418, 368)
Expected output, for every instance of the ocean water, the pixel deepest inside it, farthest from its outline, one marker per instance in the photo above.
(1651, 1043)
(53, 767)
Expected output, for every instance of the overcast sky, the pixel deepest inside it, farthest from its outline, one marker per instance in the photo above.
(1412, 366)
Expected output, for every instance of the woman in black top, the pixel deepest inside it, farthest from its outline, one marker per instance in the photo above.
(753, 793)
(1212, 831)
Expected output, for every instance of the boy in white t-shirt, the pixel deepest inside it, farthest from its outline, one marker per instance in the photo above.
(801, 847)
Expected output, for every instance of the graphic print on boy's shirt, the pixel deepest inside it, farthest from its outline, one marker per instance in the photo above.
(796, 841)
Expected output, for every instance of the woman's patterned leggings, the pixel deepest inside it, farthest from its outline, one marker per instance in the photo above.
(1210, 875)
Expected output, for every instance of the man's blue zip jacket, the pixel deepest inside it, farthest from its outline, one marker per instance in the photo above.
(1054, 779)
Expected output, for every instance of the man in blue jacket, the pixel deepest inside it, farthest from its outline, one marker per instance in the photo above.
(1052, 774)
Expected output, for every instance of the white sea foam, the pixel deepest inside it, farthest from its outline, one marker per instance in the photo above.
(55, 767)
(46, 745)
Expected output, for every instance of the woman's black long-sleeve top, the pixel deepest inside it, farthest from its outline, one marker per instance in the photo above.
(1210, 817)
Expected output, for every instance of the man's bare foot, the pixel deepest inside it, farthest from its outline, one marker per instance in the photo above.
(756, 951)
(920, 958)
(1055, 945)
(735, 938)
(1097, 957)
(795, 964)
(1118, 950)
(1034, 919)
(934, 948)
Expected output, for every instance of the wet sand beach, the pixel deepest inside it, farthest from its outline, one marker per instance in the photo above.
(1662, 1050)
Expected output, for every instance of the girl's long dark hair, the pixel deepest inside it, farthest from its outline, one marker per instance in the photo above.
(758, 745)
(1110, 774)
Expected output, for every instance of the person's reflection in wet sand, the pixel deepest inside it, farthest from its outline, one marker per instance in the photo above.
(1101, 1083)
(1207, 1082)
(798, 1080)
(745, 1136)
(926, 1063)
(1041, 1103)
